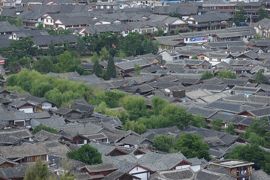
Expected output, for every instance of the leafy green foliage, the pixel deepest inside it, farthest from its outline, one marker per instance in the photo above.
(198, 121)
(67, 176)
(104, 54)
(44, 65)
(226, 74)
(162, 115)
(192, 145)
(136, 44)
(260, 77)
(130, 45)
(230, 129)
(135, 106)
(239, 16)
(262, 13)
(97, 69)
(164, 143)
(137, 69)
(207, 75)
(257, 133)
(12, 20)
(158, 104)
(111, 70)
(86, 154)
(58, 91)
(19, 54)
(252, 153)
(45, 128)
(176, 115)
(138, 127)
(67, 62)
(217, 124)
(16, 89)
(38, 171)
(110, 98)
(59, 31)
(131, 110)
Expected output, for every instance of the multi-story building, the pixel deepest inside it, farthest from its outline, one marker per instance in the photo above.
(240, 170)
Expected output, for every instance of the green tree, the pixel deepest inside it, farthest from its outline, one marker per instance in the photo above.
(251, 153)
(23, 47)
(176, 116)
(67, 176)
(135, 126)
(58, 91)
(207, 75)
(40, 26)
(239, 16)
(260, 77)
(158, 104)
(52, 50)
(97, 69)
(67, 62)
(104, 54)
(192, 145)
(39, 171)
(136, 44)
(121, 54)
(160, 32)
(25, 62)
(135, 106)
(40, 88)
(54, 96)
(257, 132)
(95, 57)
(262, 13)
(137, 69)
(18, 22)
(198, 121)
(45, 128)
(217, 124)
(111, 71)
(44, 65)
(226, 74)
(254, 138)
(111, 98)
(230, 129)
(86, 154)
(67, 167)
(164, 143)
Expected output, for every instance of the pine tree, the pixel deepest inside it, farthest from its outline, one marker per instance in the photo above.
(111, 71)
(97, 69)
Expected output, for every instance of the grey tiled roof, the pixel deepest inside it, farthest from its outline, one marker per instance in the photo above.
(44, 40)
(201, 111)
(74, 129)
(46, 136)
(259, 175)
(209, 175)
(54, 122)
(6, 27)
(11, 116)
(211, 17)
(16, 172)
(14, 136)
(180, 174)
(229, 106)
(159, 162)
(23, 150)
